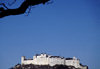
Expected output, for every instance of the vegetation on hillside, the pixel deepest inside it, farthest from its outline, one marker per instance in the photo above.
(31, 66)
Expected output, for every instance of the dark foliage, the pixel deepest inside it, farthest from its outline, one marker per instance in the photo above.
(31, 66)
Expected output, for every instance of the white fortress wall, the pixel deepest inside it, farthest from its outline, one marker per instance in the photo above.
(40, 60)
(24, 61)
(68, 62)
(28, 62)
(56, 61)
(44, 59)
(76, 63)
(73, 62)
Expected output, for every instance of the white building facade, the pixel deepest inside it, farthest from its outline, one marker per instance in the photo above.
(44, 59)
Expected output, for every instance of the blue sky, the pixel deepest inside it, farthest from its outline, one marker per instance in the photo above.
(64, 28)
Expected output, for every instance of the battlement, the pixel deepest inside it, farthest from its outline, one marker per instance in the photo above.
(44, 59)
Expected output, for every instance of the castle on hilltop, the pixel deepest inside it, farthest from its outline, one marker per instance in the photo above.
(44, 59)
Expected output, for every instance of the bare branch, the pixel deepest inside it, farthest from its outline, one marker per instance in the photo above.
(4, 5)
(29, 9)
(23, 7)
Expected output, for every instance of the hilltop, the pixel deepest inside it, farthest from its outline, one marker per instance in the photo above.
(31, 66)
(45, 61)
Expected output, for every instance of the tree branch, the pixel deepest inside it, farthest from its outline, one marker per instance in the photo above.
(21, 9)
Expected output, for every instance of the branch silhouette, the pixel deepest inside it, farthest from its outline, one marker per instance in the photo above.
(20, 10)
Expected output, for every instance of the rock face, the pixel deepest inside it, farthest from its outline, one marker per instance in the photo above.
(31, 66)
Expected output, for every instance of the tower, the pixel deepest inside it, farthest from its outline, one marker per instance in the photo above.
(22, 59)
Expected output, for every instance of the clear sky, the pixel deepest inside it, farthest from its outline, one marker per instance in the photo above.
(64, 28)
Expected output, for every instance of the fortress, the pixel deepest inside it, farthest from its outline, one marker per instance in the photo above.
(44, 59)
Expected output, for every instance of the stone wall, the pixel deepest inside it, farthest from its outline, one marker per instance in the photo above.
(44, 59)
